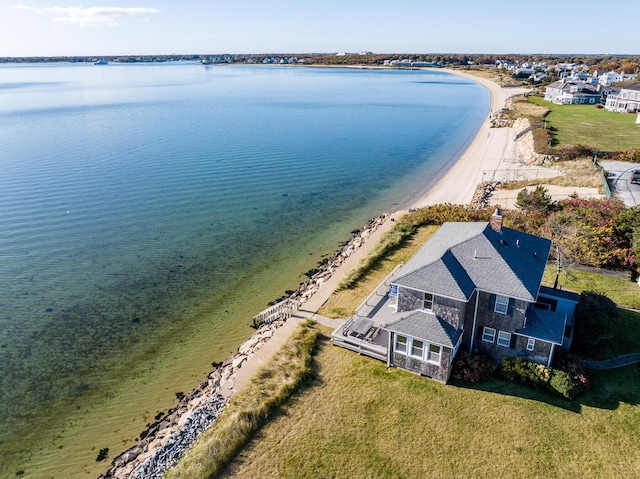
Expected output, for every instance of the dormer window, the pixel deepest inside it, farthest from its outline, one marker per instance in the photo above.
(427, 302)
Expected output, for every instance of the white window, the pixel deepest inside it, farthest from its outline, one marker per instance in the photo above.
(502, 304)
(427, 302)
(417, 348)
(401, 344)
(531, 343)
(434, 353)
(488, 335)
(504, 339)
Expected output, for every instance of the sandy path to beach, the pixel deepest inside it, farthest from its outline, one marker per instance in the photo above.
(492, 148)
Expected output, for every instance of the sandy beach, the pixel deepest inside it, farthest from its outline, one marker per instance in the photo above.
(491, 149)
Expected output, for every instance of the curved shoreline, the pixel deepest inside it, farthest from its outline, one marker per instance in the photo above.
(458, 185)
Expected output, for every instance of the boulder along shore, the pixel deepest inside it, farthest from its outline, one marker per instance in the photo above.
(163, 444)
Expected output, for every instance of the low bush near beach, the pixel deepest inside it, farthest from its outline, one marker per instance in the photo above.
(250, 408)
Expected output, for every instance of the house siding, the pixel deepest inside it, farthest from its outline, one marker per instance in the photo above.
(448, 310)
(438, 372)
(541, 350)
(409, 299)
(487, 317)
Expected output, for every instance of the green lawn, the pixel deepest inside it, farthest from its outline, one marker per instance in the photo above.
(588, 126)
(359, 419)
(622, 291)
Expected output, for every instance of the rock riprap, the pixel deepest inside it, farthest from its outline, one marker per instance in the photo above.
(165, 442)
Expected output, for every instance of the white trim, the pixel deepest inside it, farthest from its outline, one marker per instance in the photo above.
(485, 331)
(406, 344)
(427, 354)
(531, 344)
(424, 300)
(501, 303)
(475, 317)
(502, 336)
(422, 349)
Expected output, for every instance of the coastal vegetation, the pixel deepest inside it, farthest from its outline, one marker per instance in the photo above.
(272, 385)
(359, 419)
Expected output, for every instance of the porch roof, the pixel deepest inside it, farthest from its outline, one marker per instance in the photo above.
(544, 325)
(426, 326)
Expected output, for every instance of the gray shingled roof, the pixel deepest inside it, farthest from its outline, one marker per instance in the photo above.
(634, 86)
(560, 293)
(424, 325)
(544, 325)
(462, 257)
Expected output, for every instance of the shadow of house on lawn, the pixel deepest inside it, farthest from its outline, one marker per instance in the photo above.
(608, 390)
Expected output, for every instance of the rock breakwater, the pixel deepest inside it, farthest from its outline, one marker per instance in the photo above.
(165, 442)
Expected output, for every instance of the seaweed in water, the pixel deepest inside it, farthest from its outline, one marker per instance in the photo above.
(102, 455)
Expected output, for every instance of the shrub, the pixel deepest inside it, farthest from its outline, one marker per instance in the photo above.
(536, 200)
(535, 373)
(573, 365)
(561, 383)
(555, 380)
(473, 368)
(597, 319)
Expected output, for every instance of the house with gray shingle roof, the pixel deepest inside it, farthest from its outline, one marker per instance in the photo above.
(474, 286)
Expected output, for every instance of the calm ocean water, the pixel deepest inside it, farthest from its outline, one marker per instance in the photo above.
(144, 206)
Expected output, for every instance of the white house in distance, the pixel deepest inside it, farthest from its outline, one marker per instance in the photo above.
(565, 92)
(626, 101)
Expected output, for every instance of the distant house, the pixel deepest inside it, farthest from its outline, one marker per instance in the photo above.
(626, 101)
(565, 92)
(474, 286)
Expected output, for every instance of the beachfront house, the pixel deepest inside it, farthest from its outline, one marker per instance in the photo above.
(576, 92)
(626, 101)
(473, 287)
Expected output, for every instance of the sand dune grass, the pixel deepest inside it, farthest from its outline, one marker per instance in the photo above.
(249, 409)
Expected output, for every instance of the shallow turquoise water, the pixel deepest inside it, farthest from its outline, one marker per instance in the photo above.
(131, 193)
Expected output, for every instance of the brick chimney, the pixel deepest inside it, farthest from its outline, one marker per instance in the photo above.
(496, 221)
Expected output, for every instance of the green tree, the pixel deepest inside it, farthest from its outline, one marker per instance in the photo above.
(597, 320)
(536, 200)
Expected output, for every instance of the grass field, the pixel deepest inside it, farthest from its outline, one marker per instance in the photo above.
(360, 420)
(588, 126)
(343, 303)
(271, 386)
(622, 291)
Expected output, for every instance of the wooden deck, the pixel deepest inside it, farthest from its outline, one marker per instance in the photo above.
(363, 332)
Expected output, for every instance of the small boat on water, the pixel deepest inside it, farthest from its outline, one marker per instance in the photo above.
(101, 62)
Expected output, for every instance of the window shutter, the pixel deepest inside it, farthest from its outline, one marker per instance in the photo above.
(512, 304)
(492, 302)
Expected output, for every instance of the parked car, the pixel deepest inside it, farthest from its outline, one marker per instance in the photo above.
(635, 177)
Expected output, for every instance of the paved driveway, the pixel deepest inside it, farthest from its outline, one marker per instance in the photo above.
(619, 174)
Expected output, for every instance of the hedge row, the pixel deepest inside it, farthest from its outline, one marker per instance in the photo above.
(555, 380)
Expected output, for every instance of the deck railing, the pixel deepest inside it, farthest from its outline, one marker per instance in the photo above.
(282, 310)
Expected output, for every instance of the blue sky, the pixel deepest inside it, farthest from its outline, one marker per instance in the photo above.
(117, 27)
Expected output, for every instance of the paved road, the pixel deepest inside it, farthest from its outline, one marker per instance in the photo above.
(619, 180)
